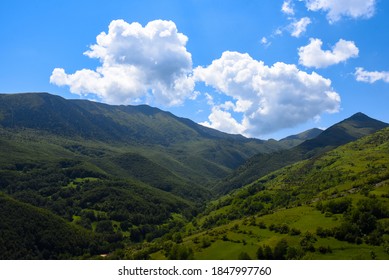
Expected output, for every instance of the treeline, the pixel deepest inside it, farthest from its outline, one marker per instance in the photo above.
(364, 222)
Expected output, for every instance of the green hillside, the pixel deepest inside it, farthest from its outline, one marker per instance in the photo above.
(348, 130)
(124, 172)
(334, 206)
(137, 182)
(29, 232)
(184, 147)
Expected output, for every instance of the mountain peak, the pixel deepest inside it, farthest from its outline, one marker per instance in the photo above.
(350, 129)
(359, 115)
(294, 140)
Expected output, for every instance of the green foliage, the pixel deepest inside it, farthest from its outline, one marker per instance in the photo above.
(339, 206)
(179, 252)
(351, 129)
(362, 222)
(280, 250)
(333, 206)
(126, 180)
(28, 232)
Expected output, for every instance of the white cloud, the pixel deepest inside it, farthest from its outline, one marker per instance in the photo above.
(269, 97)
(222, 120)
(336, 9)
(312, 55)
(296, 27)
(370, 77)
(287, 8)
(299, 27)
(265, 42)
(138, 64)
(278, 31)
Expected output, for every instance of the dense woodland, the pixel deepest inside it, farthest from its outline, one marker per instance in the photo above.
(139, 183)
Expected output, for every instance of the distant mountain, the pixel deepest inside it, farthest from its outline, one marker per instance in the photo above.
(350, 129)
(177, 143)
(98, 121)
(294, 140)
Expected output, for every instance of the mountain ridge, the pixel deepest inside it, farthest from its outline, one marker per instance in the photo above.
(185, 147)
(350, 129)
(41, 110)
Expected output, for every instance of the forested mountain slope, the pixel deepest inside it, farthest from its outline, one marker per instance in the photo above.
(333, 206)
(184, 147)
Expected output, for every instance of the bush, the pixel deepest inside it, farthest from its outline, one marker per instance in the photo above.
(262, 225)
(205, 242)
(307, 242)
(294, 231)
(338, 206)
(324, 250)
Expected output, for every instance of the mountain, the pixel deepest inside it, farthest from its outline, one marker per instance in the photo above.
(92, 120)
(332, 206)
(124, 179)
(128, 173)
(186, 148)
(350, 129)
(294, 140)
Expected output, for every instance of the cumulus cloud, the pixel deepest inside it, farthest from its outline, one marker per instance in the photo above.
(287, 8)
(336, 9)
(371, 77)
(138, 64)
(222, 120)
(313, 55)
(269, 97)
(299, 27)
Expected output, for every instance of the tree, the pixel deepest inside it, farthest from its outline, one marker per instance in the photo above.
(180, 252)
(268, 253)
(280, 249)
(260, 253)
(292, 253)
(104, 226)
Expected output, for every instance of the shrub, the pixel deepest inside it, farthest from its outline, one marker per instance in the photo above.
(262, 225)
(294, 231)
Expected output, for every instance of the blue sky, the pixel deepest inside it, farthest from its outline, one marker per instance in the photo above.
(265, 69)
